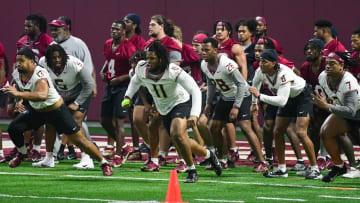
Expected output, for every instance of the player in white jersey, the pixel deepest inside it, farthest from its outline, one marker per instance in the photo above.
(234, 104)
(75, 86)
(339, 95)
(293, 98)
(33, 83)
(171, 88)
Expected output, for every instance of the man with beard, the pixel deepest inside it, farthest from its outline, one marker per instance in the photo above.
(261, 32)
(133, 31)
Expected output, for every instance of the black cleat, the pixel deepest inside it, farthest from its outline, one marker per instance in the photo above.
(60, 156)
(206, 162)
(70, 155)
(276, 174)
(215, 163)
(192, 176)
(335, 171)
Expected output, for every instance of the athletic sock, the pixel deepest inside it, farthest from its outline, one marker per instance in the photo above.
(49, 155)
(36, 147)
(22, 149)
(282, 167)
(207, 154)
(192, 167)
(155, 160)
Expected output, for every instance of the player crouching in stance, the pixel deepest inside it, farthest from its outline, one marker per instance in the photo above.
(46, 106)
(170, 87)
(342, 101)
(293, 98)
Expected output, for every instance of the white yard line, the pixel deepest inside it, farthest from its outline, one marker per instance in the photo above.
(74, 198)
(166, 179)
(217, 200)
(282, 199)
(337, 197)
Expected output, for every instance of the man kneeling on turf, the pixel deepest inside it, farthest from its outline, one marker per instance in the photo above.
(170, 88)
(46, 106)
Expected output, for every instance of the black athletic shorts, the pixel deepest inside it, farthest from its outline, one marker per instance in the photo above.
(83, 108)
(111, 102)
(60, 118)
(299, 106)
(3, 98)
(223, 109)
(181, 110)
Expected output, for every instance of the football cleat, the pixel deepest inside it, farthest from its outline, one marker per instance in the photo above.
(181, 167)
(16, 161)
(135, 155)
(276, 174)
(335, 171)
(352, 173)
(107, 169)
(261, 167)
(85, 163)
(150, 167)
(251, 157)
(2, 159)
(116, 162)
(34, 155)
(45, 163)
(299, 166)
(321, 161)
(313, 174)
(192, 176)
(12, 154)
(70, 156)
(215, 163)
(162, 160)
(125, 152)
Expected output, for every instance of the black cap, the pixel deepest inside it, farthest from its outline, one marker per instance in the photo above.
(270, 55)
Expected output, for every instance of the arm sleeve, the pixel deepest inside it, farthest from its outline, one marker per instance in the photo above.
(175, 56)
(241, 88)
(280, 99)
(87, 83)
(133, 87)
(189, 84)
(350, 106)
(256, 83)
(211, 91)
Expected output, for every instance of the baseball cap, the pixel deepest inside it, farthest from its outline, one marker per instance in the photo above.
(270, 55)
(317, 42)
(260, 19)
(334, 56)
(199, 38)
(58, 23)
(133, 17)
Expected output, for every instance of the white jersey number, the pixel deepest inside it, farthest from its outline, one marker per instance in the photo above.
(162, 90)
(60, 84)
(111, 66)
(222, 85)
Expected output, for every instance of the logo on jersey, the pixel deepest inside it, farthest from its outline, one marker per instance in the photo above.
(230, 67)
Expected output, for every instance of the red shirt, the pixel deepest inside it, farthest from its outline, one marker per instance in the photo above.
(278, 48)
(356, 70)
(226, 47)
(333, 46)
(190, 58)
(2, 58)
(138, 41)
(118, 61)
(311, 77)
(168, 42)
(38, 46)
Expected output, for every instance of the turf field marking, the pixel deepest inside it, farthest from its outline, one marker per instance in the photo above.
(166, 179)
(217, 200)
(74, 198)
(284, 199)
(337, 197)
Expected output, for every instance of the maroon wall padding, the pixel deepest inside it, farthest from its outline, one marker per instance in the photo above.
(290, 22)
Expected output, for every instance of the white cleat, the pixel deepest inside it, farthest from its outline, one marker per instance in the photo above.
(85, 163)
(352, 173)
(45, 163)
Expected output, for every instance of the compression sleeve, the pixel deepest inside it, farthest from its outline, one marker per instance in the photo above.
(189, 84)
(348, 110)
(280, 99)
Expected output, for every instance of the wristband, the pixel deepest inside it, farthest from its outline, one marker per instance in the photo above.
(258, 95)
(125, 102)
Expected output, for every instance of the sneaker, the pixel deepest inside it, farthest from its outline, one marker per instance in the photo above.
(16, 161)
(251, 157)
(261, 167)
(313, 174)
(34, 155)
(70, 156)
(224, 165)
(116, 162)
(276, 174)
(125, 152)
(2, 159)
(60, 156)
(329, 163)
(181, 167)
(150, 167)
(335, 171)
(85, 163)
(352, 173)
(56, 161)
(109, 152)
(107, 169)
(162, 160)
(299, 166)
(215, 163)
(135, 155)
(45, 163)
(192, 176)
(234, 155)
(304, 172)
(144, 148)
(321, 161)
(12, 154)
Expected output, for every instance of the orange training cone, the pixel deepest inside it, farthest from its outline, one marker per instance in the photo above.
(173, 193)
